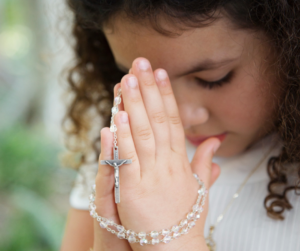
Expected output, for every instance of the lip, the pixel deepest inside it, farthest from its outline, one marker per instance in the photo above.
(198, 140)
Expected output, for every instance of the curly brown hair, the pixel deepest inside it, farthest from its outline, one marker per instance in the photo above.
(94, 75)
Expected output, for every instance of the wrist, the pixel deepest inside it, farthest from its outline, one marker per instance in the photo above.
(191, 242)
(106, 241)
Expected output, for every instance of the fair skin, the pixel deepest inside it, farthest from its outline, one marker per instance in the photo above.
(244, 108)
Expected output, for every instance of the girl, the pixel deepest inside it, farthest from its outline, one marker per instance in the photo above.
(209, 87)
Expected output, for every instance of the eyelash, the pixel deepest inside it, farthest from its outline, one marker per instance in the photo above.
(207, 84)
(214, 84)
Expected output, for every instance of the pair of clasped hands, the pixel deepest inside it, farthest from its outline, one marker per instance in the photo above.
(158, 188)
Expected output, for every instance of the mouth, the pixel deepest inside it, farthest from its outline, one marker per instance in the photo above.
(199, 139)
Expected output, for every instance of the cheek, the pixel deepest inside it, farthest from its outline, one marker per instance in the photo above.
(245, 106)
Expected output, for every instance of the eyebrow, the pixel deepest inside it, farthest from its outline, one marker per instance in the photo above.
(205, 65)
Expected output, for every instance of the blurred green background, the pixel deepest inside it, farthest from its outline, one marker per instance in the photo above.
(34, 188)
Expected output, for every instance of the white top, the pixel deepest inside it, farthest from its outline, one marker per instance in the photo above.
(245, 226)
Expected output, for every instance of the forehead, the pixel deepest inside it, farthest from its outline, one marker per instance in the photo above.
(129, 40)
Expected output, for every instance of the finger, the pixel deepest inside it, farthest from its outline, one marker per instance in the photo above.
(202, 161)
(141, 130)
(129, 173)
(105, 201)
(154, 105)
(177, 141)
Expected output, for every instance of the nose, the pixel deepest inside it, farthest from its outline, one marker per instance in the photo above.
(192, 116)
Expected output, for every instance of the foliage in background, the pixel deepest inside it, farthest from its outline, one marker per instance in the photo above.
(28, 180)
(34, 189)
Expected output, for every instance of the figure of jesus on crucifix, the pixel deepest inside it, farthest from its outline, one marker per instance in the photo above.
(116, 162)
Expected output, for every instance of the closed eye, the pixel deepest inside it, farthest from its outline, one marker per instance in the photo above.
(215, 84)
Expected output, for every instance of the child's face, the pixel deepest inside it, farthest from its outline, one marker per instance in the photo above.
(243, 107)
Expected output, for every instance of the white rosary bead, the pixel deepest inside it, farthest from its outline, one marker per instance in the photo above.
(130, 232)
(183, 222)
(113, 128)
(92, 197)
(175, 235)
(119, 91)
(131, 239)
(195, 207)
(103, 224)
(109, 222)
(190, 215)
(142, 235)
(114, 110)
(93, 213)
(155, 241)
(168, 234)
(121, 235)
(201, 191)
(175, 229)
(165, 231)
(143, 241)
(117, 100)
(120, 228)
(93, 207)
(184, 230)
(167, 239)
(191, 224)
(154, 234)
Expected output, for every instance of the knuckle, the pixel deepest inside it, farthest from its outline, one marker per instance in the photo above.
(144, 133)
(131, 155)
(207, 166)
(148, 82)
(175, 152)
(136, 99)
(167, 92)
(174, 119)
(159, 117)
(125, 135)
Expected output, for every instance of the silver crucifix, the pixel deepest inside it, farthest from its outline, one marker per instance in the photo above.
(116, 162)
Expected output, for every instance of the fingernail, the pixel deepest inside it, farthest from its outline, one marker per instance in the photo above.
(161, 75)
(131, 82)
(216, 146)
(124, 117)
(143, 65)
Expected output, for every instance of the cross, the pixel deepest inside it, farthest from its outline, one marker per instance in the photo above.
(116, 162)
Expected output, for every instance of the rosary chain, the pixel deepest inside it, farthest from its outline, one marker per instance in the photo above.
(114, 110)
(185, 224)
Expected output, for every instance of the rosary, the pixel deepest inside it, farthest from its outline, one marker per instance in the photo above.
(177, 230)
(116, 162)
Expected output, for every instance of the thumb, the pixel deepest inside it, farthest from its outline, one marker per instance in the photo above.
(215, 172)
(202, 162)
